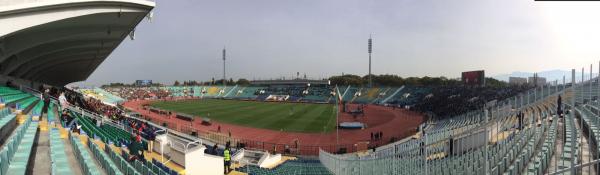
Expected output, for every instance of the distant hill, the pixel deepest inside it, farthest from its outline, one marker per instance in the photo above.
(550, 75)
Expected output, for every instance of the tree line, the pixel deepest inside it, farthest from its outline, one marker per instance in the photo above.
(395, 80)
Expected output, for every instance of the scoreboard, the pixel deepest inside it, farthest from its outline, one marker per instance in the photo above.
(473, 78)
(143, 82)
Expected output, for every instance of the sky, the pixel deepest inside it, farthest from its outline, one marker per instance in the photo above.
(269, 39)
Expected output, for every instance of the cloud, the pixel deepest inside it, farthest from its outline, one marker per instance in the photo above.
(269, 39)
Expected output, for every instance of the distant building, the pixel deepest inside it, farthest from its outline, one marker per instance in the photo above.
(517, 80)
(539, 81)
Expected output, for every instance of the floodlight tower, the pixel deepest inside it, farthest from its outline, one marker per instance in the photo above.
(224, 55)
(370, 51)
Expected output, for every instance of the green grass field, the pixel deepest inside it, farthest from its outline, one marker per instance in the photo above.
(291, 117)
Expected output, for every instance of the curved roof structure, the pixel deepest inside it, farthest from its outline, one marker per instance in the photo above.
(57, 42)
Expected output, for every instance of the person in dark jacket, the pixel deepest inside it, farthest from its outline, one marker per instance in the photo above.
(46, 98)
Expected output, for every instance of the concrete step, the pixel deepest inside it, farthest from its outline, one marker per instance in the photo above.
(44, 126)
(73, 163)
(41, 164)
(21, 118)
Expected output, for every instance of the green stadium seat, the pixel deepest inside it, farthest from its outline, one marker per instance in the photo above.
(84, 159)
(60, 164)
(19, 148)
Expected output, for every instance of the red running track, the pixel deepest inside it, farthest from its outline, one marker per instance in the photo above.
(397, 123)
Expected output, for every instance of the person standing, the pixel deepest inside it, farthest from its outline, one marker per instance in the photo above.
(451, 145)
(46, 98)
(63, 100)
(134, 149)
(227, 158)
(64, 118)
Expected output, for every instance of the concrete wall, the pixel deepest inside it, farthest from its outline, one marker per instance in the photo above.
(268, 160)
(199, 163)
(7, 130)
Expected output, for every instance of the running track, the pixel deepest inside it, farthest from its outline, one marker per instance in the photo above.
(398, 123)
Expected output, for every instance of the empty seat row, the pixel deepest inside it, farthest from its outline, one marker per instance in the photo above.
(58, 156)
(85, 160)
(14, 156)
(289, 167)
(523, 157)
(143, 166)
(109, 166)
(120, 162)
(163, 167)
(14, 98)
(37, 109)
(540, 162)
(94, 132)
(506, 151)
(591, 124)
(116, 133)
(4, 91)
(25, 103)
(570, 144)
(7, 121)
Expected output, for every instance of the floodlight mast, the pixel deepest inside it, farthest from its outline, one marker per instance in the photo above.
(224, 56)
(370, 42)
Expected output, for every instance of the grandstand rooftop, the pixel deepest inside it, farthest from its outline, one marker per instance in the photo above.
(290, 82)
(62, 41)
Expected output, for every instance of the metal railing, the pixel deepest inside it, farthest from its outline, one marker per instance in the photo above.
(432, 153)
(584, 107)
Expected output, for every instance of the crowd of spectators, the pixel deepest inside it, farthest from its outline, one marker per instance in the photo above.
(456, 100)
(297, 91)
(109, 111)
(114, 113)
(132, 93)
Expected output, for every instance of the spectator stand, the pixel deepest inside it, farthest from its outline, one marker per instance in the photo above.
(103, 120)
(174, 152)
(182, 151)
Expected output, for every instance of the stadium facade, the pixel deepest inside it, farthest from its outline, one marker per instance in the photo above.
(517, 80)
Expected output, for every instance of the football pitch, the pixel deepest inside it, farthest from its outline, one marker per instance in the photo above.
(289, 117)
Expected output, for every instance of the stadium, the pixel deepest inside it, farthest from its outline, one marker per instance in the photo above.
(344, 124)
